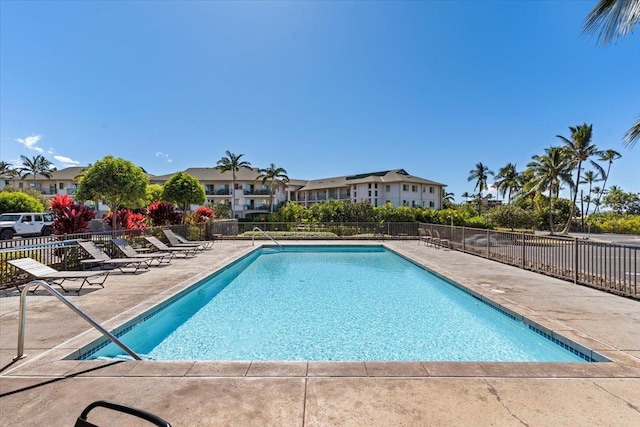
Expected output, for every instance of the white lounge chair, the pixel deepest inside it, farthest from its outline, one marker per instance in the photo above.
(102, 259)
(41, 271)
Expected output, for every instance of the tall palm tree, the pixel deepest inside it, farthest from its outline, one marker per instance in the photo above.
(273, 175)
(580, 149)
(549, 171)
(231, 162)
(466, 196)
(614, 19)
(37, 165)
(589, 177)
(607, 156)
(7, 169)
(507, 180)
(480, 174)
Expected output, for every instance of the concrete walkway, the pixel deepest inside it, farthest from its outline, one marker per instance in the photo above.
(43, 389)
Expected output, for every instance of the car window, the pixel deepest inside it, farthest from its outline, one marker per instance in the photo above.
(37, 218)
(48, 217)
(9, 217)
(26, 218)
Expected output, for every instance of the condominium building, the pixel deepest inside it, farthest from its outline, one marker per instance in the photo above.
(250, 197)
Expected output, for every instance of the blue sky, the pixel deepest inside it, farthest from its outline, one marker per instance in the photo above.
(319, 88)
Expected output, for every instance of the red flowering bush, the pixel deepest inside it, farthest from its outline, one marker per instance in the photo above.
(162, 213)
(127, 219)
(70, 217)
(203, 214)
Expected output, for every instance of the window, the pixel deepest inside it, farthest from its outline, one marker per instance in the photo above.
(431, 204)
(424, 189)
(414, 188)
(26, 218)
(375, 202)
(387, 188)
(355, 194)
(38, 218)
(369, 193)
(430, 189)
(375, 185)
(376, 193)
(369, 185)
(61, 185)
(413, 203)
(238, 186)
(405, 187)
(404, 203)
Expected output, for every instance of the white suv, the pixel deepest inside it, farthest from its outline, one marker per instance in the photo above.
(25, 224)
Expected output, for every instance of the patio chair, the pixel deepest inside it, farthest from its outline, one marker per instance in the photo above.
(41, 271)
(147, 416)
(441, 241)
(128, 251)
(160, 246)
(102, 259)
(178, 239)
(424, 236)
(174, 242)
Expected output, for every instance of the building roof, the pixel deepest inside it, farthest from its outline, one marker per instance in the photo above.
(213, 174)
(386, 177)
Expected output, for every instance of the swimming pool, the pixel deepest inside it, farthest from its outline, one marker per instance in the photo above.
(331, 303)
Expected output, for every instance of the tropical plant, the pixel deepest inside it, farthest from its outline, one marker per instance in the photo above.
(549, 171)
(510, 216)
(622, 202)
(466, 196)
(480, 174)
(607, 156)
(154, 193)
(221, 210)
(70, 217)
(16, 201)
(589, 178)
(580, 149)
(202, 214)
(273, 175)
(507, 181)
(614, 19)
(7, 169)
(37, 165)
(126, 219)
(163, 213)
(184, 190)
(116, 181)
(448, 199)
(231, 162)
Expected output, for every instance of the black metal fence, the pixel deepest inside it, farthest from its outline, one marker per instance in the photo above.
(606, 266)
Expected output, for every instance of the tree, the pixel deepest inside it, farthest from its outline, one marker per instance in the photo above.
(232, 162)
(614, 19)
(273, 175)
(7, 169)
(580, 150)
(466, 196)
(480, 174)
(549, 171)
(507, 180)
(622, 202)
(37, 165)
(447, 199)
(184, 190)
(607, 156)
(589, 178)
(116, 181)
(16, 201)
(154, 193)
(70, 217)
(163, 213)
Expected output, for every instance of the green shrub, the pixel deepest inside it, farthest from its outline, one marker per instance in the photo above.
(510, 216)
(19, 202)
(614, 223)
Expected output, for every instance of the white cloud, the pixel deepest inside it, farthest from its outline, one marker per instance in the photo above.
(30, 142)
(66, 160)
(165, 155)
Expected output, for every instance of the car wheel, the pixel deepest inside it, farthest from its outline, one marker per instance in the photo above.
(6, 234)
(46, 231)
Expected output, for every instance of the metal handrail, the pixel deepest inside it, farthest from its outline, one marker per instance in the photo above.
(264, 234)
(22, 319)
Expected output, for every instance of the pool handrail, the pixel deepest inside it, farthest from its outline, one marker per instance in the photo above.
(96, 325)
(264, 234)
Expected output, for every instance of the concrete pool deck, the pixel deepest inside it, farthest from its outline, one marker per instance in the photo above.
(43, 389)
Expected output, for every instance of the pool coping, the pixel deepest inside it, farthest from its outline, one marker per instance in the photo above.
(53, 363)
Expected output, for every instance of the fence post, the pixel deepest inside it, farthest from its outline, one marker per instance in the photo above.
(488, 243)
(524, 251)
(464, 243)
(575, 263)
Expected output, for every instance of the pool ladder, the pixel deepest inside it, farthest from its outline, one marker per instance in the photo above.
(22, 318)
(264, 234)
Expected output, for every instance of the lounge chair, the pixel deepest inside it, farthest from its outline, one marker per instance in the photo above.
(160, 246)
(128, 251)
(102, 259)
(41, 271)
(174, 242)
(424, 236)
(147, 416)
(441, 241)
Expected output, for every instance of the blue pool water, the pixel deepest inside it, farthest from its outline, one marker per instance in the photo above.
(333, 303)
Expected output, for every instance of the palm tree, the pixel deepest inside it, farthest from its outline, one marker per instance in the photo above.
(614, 19)
(549, 171)
(480, 174)
(6, 169)
(589, 178)
(607, 156)
(466, 196)
(507, 180)
(580, 149)
(37, 165)
(231, 162)
(274, 175)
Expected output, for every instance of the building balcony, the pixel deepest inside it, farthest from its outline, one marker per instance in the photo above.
(256, 192)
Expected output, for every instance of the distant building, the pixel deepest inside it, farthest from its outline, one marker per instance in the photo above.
(250, 197)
